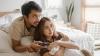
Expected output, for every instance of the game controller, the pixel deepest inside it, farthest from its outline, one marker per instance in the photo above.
(42, 43)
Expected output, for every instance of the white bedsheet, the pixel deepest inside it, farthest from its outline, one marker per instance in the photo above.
(18, 54)
(83, 39)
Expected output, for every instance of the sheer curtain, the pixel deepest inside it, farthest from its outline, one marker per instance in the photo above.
(53, 4)
(55, 9)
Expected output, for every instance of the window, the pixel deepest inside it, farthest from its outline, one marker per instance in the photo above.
(92, 10)
(92, 2)
(53, 3)
(92, 17)
(54, 9)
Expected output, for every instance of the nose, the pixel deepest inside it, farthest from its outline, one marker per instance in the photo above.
(37, 20)
(50, 30)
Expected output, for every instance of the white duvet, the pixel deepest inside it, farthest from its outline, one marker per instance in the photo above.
(84, 40)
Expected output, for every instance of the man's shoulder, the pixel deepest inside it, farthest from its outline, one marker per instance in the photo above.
(18, 22)
(19, 19)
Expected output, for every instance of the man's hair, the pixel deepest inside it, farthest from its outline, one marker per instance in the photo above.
(29, 6)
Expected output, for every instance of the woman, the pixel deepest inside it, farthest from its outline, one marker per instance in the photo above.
(45, 32)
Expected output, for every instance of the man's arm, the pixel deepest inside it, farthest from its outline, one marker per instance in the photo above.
(15, 32)
(16, 45)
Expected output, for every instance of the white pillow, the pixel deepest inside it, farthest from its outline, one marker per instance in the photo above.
(14, 16)
(5, 42)
(6, 21)
(72, 52)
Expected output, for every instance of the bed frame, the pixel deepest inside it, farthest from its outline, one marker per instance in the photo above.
(5, 13)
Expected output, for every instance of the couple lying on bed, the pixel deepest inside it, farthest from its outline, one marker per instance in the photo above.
(48, 42)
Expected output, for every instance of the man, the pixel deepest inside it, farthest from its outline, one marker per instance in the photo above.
(24, 26)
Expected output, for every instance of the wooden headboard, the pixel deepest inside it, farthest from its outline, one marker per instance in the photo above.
(5, 13)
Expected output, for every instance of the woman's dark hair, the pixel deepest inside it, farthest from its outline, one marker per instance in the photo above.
(31, 5)
(39, 36)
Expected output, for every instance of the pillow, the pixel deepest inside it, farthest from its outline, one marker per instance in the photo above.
(5, 43)
(14, 16)
(6, 21)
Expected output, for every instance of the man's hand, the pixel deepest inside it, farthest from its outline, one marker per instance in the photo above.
(30, 49)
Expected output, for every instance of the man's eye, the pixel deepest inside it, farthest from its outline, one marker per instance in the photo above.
(34, 16)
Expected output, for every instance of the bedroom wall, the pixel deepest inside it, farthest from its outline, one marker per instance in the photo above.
(10, 5)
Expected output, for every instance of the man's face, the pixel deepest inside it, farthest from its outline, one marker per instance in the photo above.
(34, 18)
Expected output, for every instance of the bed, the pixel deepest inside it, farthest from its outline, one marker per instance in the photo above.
(83, 39)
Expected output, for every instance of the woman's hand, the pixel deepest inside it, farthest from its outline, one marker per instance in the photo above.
(60, 52)
(52, 45)
(30, 49)
(36, 46)
(68, 44)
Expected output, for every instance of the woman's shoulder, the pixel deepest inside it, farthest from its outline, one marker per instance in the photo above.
(60, 34)
(63, 36)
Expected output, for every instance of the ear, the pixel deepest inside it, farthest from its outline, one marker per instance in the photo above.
(25, 17)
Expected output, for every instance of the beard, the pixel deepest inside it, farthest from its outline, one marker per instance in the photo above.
(34, 25)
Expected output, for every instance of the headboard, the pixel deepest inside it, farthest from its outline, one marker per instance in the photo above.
(5, 13)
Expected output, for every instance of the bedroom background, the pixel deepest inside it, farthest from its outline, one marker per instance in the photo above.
(56, 9)
(59, 8)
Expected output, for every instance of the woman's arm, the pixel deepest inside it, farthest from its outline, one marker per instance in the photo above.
(67, 44)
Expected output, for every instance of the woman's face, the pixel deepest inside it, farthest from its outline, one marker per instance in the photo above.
(48, 29)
